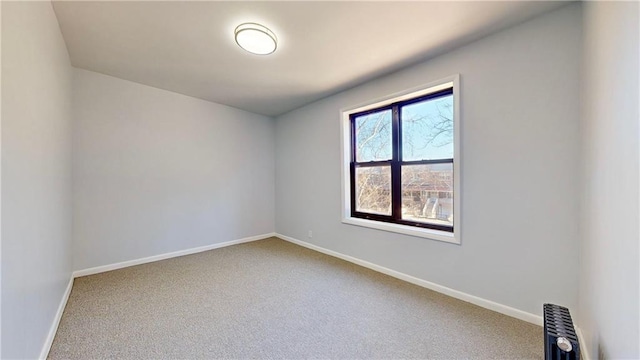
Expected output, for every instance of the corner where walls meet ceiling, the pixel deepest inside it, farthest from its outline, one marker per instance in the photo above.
(323, 47)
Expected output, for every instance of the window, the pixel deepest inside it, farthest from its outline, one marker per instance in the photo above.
(401, 172)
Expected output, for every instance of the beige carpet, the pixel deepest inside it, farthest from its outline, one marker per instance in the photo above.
(272, 299)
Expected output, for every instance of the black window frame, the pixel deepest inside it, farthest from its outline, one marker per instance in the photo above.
(395, 163)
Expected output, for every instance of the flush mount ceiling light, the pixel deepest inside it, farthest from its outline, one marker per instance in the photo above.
(256, 39)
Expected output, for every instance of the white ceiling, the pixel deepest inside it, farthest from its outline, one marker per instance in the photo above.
(324, 47)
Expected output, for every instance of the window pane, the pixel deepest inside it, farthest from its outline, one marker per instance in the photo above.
(373, 189)
(427, 129)
(373, 136)
(427, 193)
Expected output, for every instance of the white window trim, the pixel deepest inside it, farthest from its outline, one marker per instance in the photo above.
(345, 146)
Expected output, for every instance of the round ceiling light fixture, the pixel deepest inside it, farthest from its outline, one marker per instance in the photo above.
(256, 38)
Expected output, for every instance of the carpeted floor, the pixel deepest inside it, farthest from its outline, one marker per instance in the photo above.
(272, 299)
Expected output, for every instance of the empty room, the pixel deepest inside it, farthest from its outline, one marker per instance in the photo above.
(320, 179)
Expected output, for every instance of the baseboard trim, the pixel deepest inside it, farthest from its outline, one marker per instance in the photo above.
(124, 264)
(56, 321)
(584, 352)
(99, 269)
(487, 304)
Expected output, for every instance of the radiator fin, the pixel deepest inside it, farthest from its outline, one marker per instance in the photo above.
(558, 325)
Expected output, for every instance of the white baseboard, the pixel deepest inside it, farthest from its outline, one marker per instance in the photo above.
(124, 264)
(488, 304)
(584, 349)
(56, 321)
(95, 270)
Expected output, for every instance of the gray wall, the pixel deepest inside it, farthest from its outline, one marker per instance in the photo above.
(609, 278)
(520, 105)
(156, 172)
(36, 175)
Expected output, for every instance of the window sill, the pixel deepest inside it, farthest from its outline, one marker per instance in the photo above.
(404, 229)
